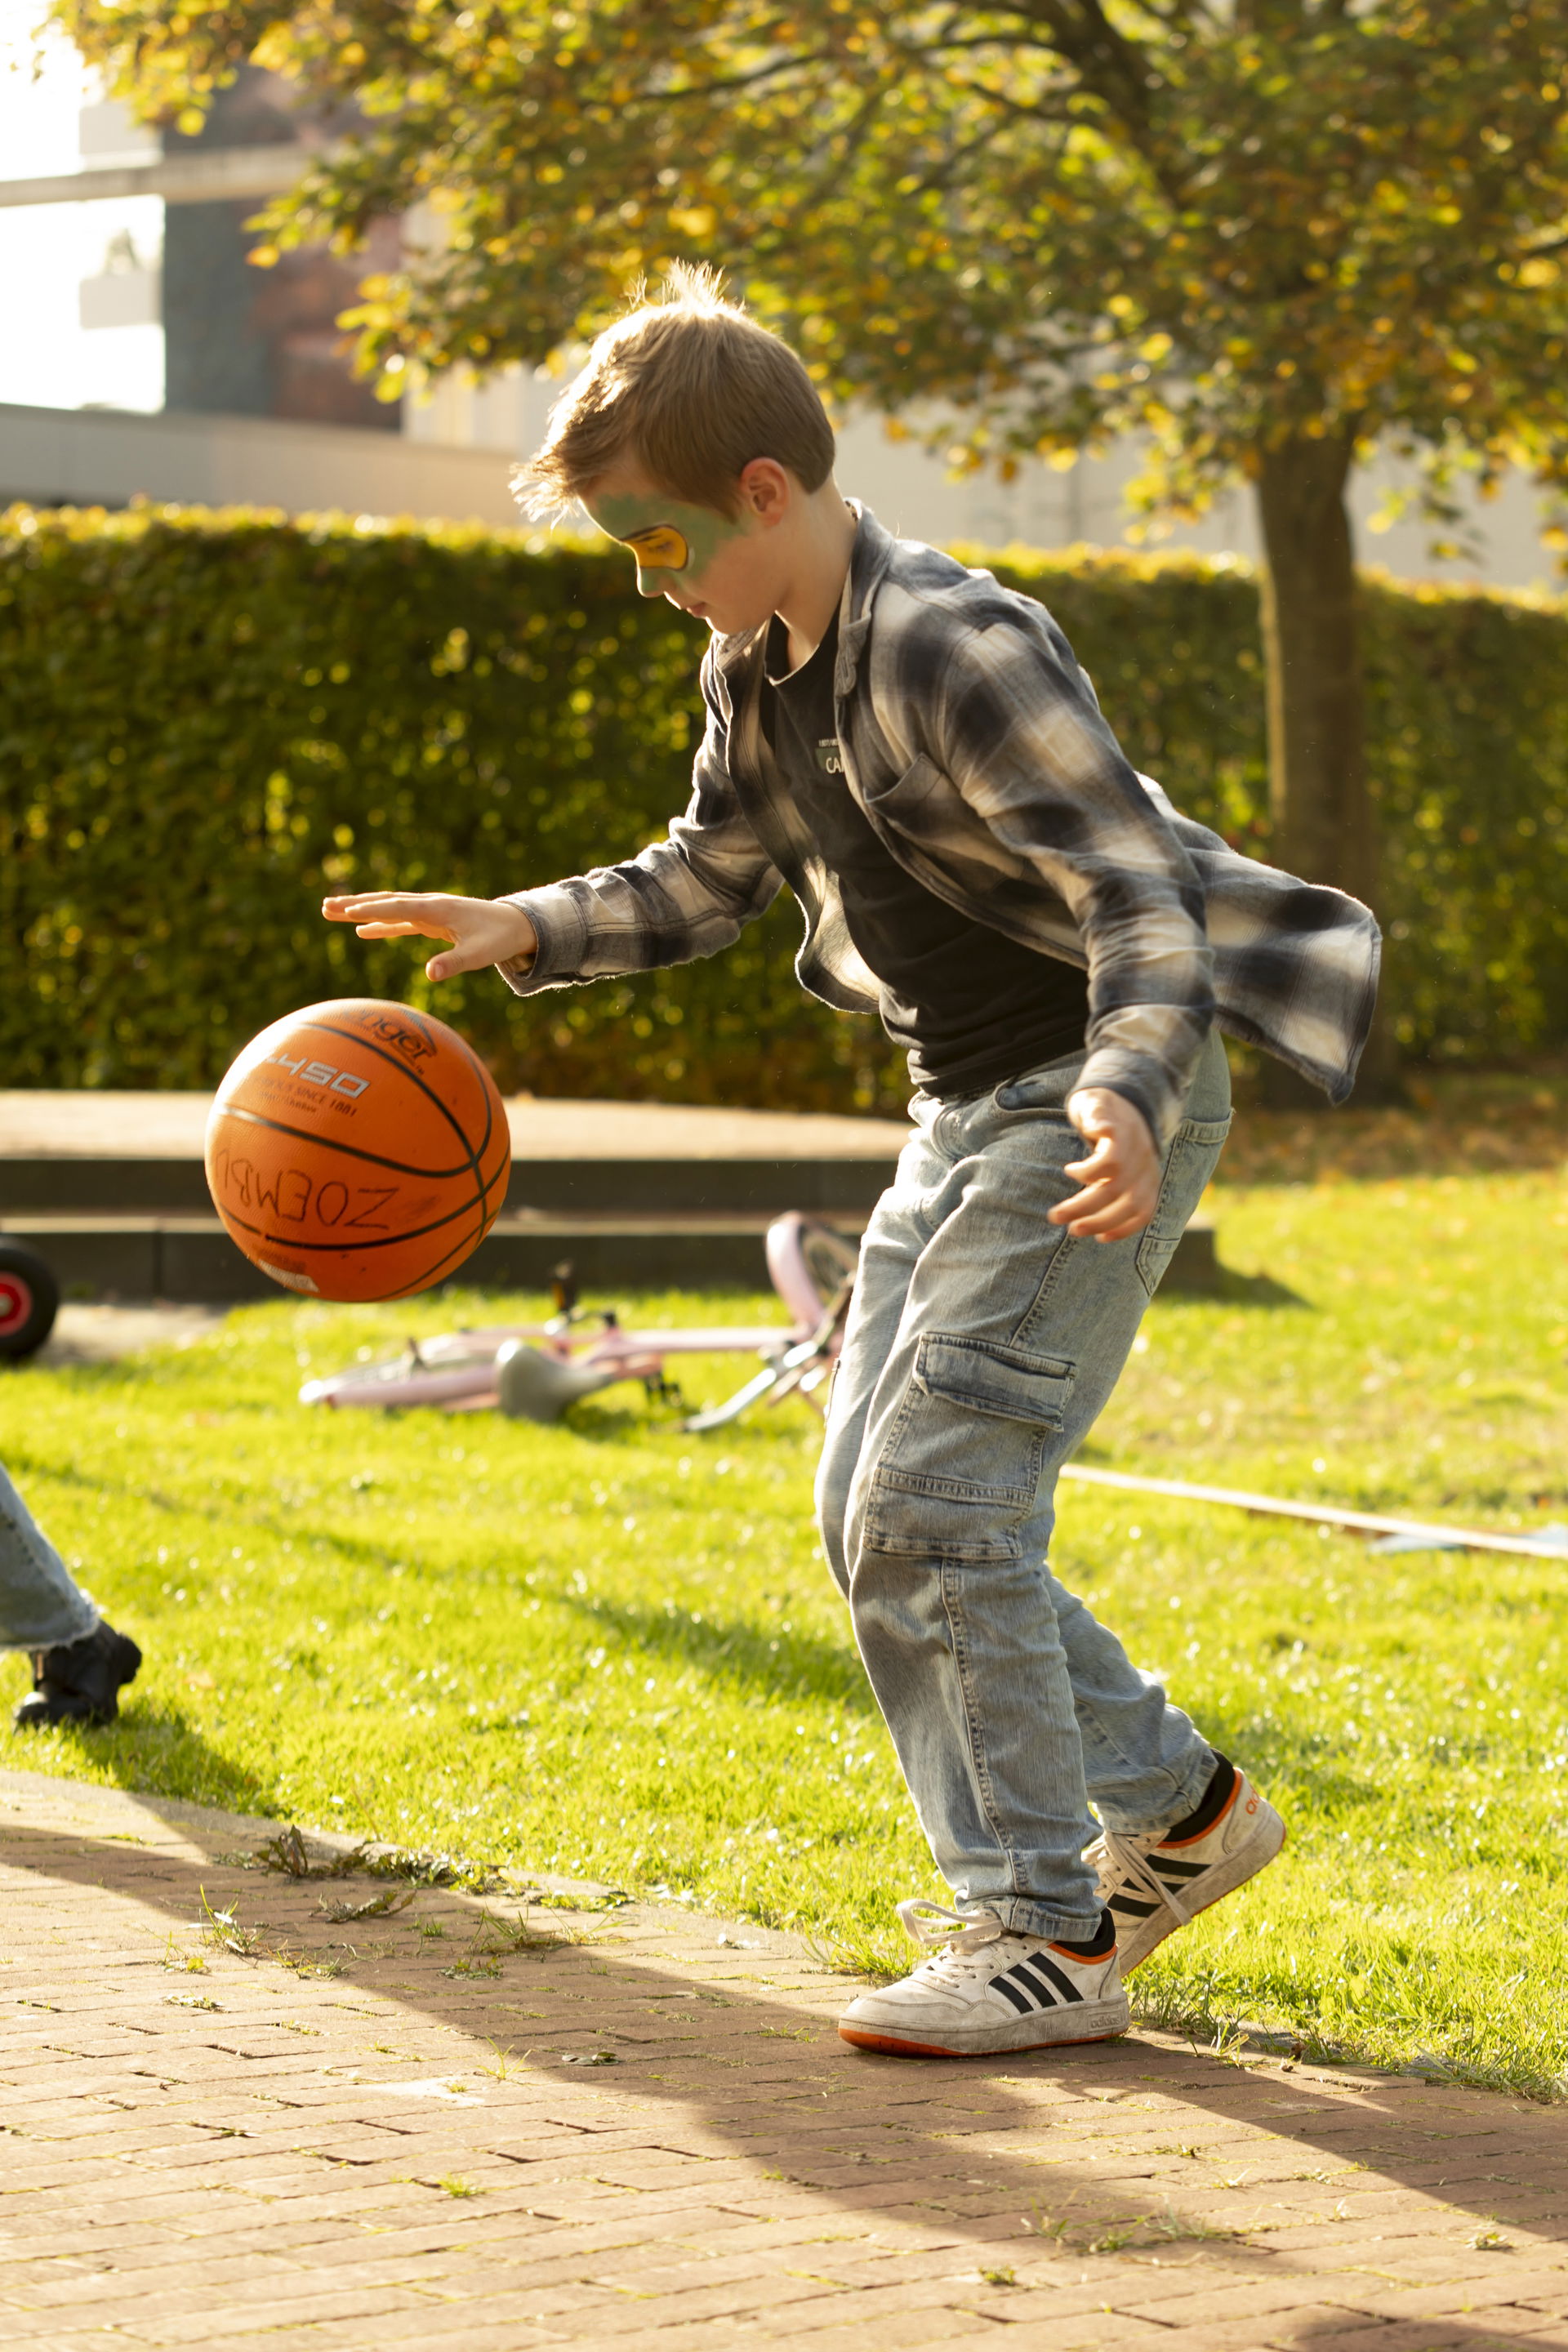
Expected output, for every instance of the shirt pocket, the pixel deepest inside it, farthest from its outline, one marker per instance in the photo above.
(1192, 1158)
(899, 796)
(961, 1466)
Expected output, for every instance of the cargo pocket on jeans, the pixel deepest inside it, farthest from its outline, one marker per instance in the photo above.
(1191, 1164)
(961, 1466)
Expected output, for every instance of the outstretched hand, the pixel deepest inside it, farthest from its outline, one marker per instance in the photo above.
(481, 930)
(1121, 1174)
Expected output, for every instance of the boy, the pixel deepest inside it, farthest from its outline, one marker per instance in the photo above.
(917, 753)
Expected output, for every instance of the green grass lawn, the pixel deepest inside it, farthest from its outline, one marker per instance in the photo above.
(611, 1651)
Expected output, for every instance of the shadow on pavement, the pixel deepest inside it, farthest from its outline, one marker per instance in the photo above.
(775, 2084)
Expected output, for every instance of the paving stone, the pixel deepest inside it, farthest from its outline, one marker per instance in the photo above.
(262, 2172)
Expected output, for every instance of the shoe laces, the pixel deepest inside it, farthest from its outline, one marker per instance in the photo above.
(961, 1934)
(1123, 1857)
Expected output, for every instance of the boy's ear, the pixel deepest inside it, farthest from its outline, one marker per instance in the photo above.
(766, 490)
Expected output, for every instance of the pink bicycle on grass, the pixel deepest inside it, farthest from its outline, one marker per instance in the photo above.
(532, 1371)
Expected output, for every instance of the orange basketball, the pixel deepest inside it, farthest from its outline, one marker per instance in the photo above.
(358, 1151)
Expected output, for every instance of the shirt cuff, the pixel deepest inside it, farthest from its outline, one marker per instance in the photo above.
(1140, 1081)
(560, 936)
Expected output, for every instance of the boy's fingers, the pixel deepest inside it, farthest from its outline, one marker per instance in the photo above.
(1093, 1199)
(382, 905)
(384, 930)
(349, 911)
(1103, 1212)
(448, 966)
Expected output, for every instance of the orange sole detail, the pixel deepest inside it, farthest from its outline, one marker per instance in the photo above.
(889, 2048)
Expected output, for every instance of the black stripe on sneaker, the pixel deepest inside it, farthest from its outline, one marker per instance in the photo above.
(1168, 1868)
(1020, 2000)
(1025, 1974)
(1134, 1906)
(1058, 1977)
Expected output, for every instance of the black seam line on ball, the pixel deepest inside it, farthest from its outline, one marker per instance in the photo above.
(462, 1248)
(384, 1054)
(349, 1245)
(350, 1150)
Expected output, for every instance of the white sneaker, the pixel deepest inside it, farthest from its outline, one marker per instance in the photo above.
(1153, 1884)
(987, 1991)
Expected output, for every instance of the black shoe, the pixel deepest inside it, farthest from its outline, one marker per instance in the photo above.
(79, 1682)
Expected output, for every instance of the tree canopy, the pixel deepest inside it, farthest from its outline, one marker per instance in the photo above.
(1263, 234)
(1220, 222)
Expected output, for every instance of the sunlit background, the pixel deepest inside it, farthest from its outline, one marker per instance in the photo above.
(54, 258)
(83, 300)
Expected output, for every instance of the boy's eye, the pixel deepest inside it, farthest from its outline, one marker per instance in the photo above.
(662, 549)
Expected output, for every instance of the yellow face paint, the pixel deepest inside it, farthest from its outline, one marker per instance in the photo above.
(660, 548)
(665, 534)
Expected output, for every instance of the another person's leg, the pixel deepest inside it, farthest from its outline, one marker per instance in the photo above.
(79, 1661)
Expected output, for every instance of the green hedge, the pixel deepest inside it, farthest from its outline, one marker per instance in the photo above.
(206, 718)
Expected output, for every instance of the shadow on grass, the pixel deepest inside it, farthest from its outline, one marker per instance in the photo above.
(153, 1747)
(1234, 1289)
(780, 1665)
(263, 1516)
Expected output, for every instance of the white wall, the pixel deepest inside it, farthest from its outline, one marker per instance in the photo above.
(916, 495)
(100, 457)
(47, 356)
(912, 493)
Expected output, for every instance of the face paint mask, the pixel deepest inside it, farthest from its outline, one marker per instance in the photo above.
(662, 549)
(665, 534)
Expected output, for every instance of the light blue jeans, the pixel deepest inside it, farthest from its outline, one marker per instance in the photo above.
(982, 1344)
(40, 1604)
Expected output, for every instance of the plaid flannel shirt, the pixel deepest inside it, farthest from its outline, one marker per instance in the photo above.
(973, 743)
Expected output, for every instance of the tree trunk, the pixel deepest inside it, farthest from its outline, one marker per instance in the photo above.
(1324, 827)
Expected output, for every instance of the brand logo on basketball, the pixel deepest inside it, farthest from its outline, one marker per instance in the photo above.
(411, 1043)
(322, 1074)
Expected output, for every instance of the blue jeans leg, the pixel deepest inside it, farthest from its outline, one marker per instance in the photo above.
(983, 1344)
(40, 1604)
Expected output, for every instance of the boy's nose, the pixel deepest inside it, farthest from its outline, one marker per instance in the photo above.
(649, 584)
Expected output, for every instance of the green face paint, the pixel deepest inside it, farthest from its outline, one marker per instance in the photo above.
(666, 535)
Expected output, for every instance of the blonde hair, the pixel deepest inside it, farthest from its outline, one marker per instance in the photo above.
(690, 387)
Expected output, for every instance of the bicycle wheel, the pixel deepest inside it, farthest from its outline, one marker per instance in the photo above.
(829, 1255)
(808, 1261)
(30, 1301)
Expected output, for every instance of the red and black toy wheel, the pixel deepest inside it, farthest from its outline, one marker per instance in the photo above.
(29, 1300)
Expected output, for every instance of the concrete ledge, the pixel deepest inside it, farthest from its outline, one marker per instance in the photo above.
(192, 1259)
(141, 1154)
(34, 1187)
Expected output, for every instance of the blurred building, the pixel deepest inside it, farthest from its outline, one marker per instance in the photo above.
(244, 341)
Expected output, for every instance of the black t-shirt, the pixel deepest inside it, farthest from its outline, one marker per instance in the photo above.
(970, 1006)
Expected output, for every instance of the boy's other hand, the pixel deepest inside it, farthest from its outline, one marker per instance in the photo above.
(481, 930)
(1122, 1173)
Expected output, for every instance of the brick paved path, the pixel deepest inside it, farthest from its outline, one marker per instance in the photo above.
(396, 2129)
